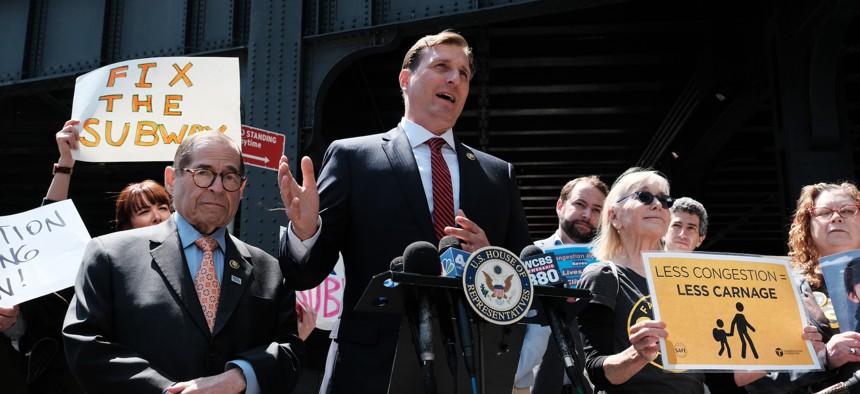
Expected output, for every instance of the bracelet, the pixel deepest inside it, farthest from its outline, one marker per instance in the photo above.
(61, 169)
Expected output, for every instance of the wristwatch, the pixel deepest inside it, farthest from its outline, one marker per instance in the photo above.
(61, 169)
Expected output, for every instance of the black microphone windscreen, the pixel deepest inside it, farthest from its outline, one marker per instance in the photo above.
(421, 257)
(448, 242)
(530, 250)
(396, 264)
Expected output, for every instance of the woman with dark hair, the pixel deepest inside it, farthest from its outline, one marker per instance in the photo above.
(142, 204)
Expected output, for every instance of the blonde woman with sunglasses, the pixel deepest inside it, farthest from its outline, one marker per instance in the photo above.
(619, 334)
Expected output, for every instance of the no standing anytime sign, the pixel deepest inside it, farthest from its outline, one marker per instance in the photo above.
(262, 148)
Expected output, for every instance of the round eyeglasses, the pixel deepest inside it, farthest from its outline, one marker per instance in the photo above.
(204, 178)
(646, 197)
(825, 213)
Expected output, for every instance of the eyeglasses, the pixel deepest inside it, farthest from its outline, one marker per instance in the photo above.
(647, 198)
(824, 213)
(204, 178)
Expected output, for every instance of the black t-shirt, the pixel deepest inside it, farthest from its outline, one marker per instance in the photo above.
(617, 304)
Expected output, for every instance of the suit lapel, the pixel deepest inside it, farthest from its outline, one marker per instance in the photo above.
(470, 176)
(399, 152)
(176, 275)
(235, 279)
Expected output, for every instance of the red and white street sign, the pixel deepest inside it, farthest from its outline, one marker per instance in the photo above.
(262, 148)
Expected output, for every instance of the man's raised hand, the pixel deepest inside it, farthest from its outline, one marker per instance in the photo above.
(302, 203)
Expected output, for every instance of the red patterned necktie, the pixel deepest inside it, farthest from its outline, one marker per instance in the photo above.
(443, 195)
(206, 282)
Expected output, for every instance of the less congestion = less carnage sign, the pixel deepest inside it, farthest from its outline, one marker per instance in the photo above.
(725, 312)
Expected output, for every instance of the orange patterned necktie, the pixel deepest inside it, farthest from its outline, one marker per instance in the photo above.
(206, 282)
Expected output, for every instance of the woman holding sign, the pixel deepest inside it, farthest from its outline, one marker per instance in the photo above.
(825, 223)
(620, 337)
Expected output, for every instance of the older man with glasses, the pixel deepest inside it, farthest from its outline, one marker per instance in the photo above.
(184, 305)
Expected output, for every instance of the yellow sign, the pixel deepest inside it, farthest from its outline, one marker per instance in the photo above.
(728, 312)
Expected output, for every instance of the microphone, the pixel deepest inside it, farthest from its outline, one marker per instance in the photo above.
(543, 267)
(530, 250)
(443, 307)
(850, 386)
(420, 258)
(446, 328)
(453, 259)
(560, 330)
(396, 264)
(449, 248)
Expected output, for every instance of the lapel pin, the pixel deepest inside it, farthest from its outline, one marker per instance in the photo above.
(234, 265)
(236, 279)
(470, 156)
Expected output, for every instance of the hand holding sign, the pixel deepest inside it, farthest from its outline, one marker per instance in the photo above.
(839, 350)
(68, 141)
(645, 338)
(8, 317)
(307, 318)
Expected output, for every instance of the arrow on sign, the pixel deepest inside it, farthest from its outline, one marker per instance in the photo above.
(263, 159)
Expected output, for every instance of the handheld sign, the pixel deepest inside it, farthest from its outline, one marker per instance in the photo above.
(572, 260)
(40, 251)
(140, 110)
(842, 276)
(728, 312)
(327, 297)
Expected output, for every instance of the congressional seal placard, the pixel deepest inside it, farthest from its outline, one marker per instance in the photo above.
(497, 285)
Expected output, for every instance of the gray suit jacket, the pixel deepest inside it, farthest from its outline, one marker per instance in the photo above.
(372, 206)
(136, 325)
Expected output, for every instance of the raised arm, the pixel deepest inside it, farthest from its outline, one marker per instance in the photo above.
(67, 140)
(302, 203)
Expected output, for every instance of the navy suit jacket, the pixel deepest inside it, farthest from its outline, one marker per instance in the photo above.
(372, 205)
(136, 325)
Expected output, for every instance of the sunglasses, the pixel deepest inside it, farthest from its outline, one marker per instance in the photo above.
(647, 198)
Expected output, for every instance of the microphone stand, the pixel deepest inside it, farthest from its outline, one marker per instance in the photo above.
(479, 345)
(561, 333)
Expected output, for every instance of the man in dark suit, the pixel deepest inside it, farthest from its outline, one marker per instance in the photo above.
(375, 196)
(183, 305)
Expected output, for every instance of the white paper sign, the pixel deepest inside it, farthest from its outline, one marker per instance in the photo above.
(839, 270)
(40, 251)
(327, 297)
(140, 110)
